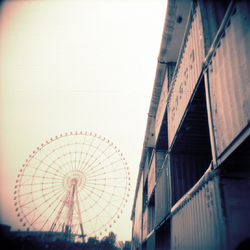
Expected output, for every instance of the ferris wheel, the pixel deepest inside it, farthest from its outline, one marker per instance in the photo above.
(75, 184)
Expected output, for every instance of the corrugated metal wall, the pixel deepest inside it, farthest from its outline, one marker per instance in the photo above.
(186, 73)
(151, 242)
(148, 221)
(163, 98)
(163, 194)
(151, 176)
(145, 224)
(236, 193)
(151, 218)
(160, 157)
(229, 79)
(137, 222)
(199, 224)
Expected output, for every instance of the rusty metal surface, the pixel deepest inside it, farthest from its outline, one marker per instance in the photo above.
(199, 224)
(229, 78)
(187, 72)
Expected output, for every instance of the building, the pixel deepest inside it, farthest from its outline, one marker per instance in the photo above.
(193, 185)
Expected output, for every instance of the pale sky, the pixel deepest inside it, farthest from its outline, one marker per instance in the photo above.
(75, 65)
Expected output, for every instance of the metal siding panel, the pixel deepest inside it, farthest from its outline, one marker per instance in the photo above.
(162, 196)
(151, 176)
(229, 79)
(145, 224)
(160, 157)
(163, 98)
(237, 206)
(187, 74)
(151, 218)
(199, 223)
(151, 242)
(186, 170)
(137, 229)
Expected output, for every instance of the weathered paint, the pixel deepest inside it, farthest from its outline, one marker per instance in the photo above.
(163, 98)
(151, 218)
(187, 72)
(160, 157)
(163, 194)
(216, 216)
(151, 176)
(199, 224)
(137, 222)
(145, 224)
(155, 169)
(229, 79)
(148, 221)
(147, 163)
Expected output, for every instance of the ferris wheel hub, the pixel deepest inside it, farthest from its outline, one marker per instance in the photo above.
(75, 184)
(76, 178)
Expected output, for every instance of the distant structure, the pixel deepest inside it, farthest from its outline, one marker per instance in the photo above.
(73, 185)
(193, 184)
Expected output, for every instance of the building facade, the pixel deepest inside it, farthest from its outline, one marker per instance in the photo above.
(193, 185)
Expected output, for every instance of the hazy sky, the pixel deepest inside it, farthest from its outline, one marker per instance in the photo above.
(75, 65)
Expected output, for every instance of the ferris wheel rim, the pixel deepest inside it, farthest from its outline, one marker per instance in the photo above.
(75, 175)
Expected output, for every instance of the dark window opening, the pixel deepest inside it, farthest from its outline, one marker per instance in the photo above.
(191, 152)
(162, 236)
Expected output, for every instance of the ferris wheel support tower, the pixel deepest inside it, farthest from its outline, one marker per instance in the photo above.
(69, 201)
(74, 184)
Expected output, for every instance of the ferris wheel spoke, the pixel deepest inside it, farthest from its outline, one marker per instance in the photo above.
(47, 177)
(75, 154)
(54, 211)
(108, 165)
(87, 168)
(40, 183)
(99, 163)
(108, 203)
(34, 210)
(36, 191)
(40, 169)
(33, 200)
(102, 198)
(111, 178)
(46, 164)
(59, 157)
(102, 152)
(84, 163)
(69, 152)
(113, 186)
(96, 150)
(94, 175)
(81, 151)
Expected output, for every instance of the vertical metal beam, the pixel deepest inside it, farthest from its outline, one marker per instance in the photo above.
(210, 118)
(59, 212)
(68, 230)
(79, 213)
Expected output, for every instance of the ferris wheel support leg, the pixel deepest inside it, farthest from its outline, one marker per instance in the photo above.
(70, 210)
(79, 213)
(59, 213)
